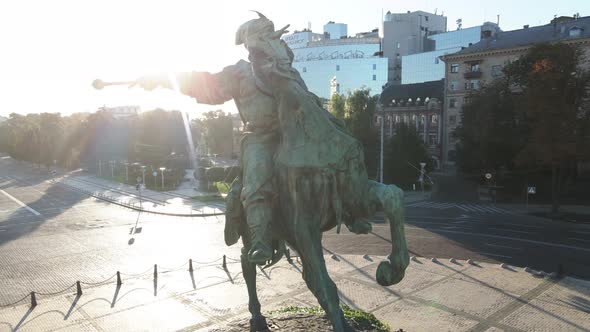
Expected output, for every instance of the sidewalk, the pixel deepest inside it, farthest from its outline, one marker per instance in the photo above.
(167, 203)
(434, 296)
(176, 202)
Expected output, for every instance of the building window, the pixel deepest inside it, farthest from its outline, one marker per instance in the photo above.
(305, 69)
(497, 71)
(374, 66)
(454, 68)
(337, 67)
(398, 45)
(452, 120)
(452, 103)
(475, 67)
(474, 84)
(374, 77)
(436, 60)
(575, 32)
(426, 18)
(467, 86)
(454, 85)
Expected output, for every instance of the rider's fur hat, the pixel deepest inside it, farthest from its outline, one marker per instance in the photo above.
(258, 26)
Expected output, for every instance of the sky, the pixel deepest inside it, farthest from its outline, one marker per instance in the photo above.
(51, 51)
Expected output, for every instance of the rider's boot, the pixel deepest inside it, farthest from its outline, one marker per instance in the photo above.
(259, 216)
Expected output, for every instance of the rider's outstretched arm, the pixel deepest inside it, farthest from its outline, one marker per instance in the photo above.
(205, 87)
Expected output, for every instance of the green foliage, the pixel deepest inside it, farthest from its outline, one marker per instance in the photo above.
(359, 110)
(492, 132)
(336, 106)
(222, 187)
(403, 155)
(537, 116)
(156, 139)
(554, 86)
(359, 317)
(216, 130)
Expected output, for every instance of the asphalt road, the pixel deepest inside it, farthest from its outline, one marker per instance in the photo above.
(452, 232)
(51, 236)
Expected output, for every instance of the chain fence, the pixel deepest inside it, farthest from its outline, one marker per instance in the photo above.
(189, 266)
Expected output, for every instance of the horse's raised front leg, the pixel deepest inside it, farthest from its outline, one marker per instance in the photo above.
(391, 199)
(257, 321)
(317, 279)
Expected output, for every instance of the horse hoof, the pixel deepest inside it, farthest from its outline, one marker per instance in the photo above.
(387, 275)
(258, 324)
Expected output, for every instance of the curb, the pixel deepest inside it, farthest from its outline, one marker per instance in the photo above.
(133, 207)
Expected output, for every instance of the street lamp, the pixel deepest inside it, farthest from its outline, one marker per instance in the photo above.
(143, 174)
(422, 172)
(382, 123)
(112, 162)
(162, 169)
(126, 171)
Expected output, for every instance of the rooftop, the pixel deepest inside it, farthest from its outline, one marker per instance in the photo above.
(560, 29)
(433, 89)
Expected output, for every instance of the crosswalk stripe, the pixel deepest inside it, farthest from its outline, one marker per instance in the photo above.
(462, 208)
(478, 208)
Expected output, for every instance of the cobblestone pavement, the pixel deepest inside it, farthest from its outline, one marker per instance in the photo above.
(52, 236)
(434, 296)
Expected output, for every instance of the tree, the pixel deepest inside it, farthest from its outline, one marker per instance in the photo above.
(404, 154)
(337, 105)
(359, 110)
(554, 87)
(216, 128)
(491, 132)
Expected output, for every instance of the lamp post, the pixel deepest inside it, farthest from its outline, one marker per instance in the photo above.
(126, 172)
(112, 162)
(99, 168)
(162, 169)
(143, 174)
(382, 120)
(422, 172)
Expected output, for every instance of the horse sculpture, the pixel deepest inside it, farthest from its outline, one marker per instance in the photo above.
(319, 177)
(305, 171)
(302, 230)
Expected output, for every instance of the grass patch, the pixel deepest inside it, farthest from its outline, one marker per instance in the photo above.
(359, 317)
(222, 187)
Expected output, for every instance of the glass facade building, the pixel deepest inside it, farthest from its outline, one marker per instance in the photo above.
(427, 66)
(351, 61)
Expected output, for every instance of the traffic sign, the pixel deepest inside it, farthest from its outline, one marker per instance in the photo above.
(155, 173)
(138, 179)
(531, 190)
(488, 176)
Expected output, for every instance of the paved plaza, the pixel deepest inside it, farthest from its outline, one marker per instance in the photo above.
(434, 296)
(56, 232)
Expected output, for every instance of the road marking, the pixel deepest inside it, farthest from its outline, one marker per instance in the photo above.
(509, 230)
(20, 203)
(575, 238)
(559, 245)
(499, 246)
(488, 254)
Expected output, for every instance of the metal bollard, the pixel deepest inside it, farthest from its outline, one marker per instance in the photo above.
(119, 282)
(78, 288)
(224, 263)
(155, 271)
(190, 265)
(33, 300)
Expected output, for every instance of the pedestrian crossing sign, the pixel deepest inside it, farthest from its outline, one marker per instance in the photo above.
(532, 190)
